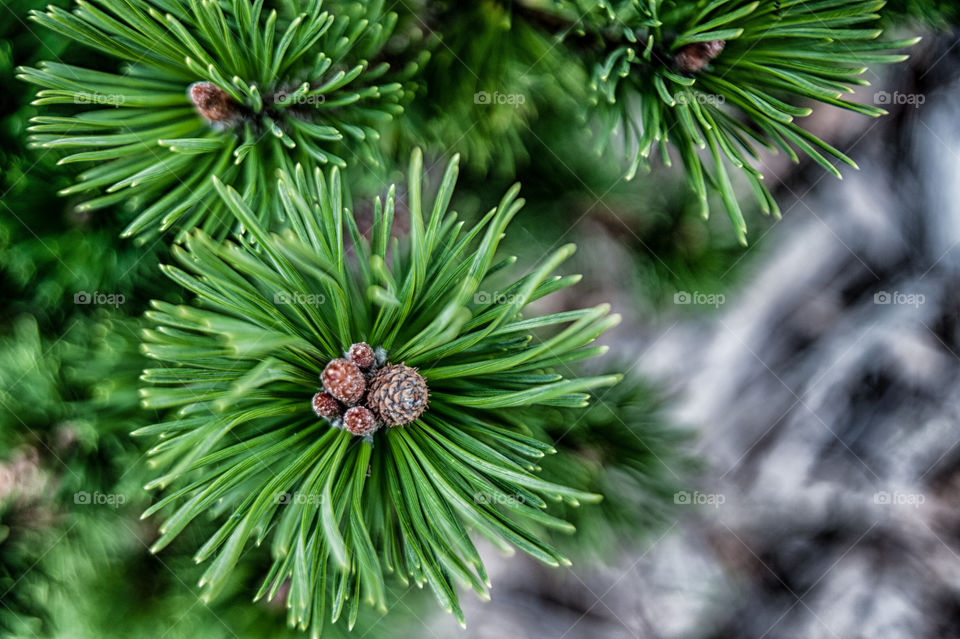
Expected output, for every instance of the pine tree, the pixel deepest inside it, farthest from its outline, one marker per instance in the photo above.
(337, 381)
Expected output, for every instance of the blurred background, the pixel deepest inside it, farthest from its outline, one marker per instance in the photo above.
(781, 461)
(819, 370)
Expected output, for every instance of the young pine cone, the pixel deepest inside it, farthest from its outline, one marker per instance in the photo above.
(324, 405)
(362, 355)
(344, 381)
(213, 103)
(359, 421)
(696, 55)
(398, 394)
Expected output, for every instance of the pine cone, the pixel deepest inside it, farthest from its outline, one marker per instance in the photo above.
(696, 55)
(343, 380)
(361, 354)
(398, 394)
(359, 421)
(325, 405)
(213, 103)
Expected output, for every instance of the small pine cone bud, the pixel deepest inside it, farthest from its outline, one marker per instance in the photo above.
(696, 55)
(324, 405)
(343, 380)
(361, 354)
(213, 103)
(398, 394)
(359, 421)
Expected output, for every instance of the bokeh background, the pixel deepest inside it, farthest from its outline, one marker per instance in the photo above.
(782, 460)
(819, 369)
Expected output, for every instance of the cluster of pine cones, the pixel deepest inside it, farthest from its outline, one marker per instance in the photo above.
(367, 395)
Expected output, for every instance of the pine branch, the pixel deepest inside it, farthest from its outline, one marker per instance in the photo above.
(714, 82)
(343, 512)
(210, 88)
(729, 77)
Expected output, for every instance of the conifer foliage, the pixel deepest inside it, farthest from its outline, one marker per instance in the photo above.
(719, 80)
(228, 89)
(338, 399)
(341, 512)
(212, 88)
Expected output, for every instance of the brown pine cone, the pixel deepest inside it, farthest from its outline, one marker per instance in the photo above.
(343, 380)
(324, 405)
(398, 394)
(213, 103)
(361, 354)
(696, 55)
(359, 421)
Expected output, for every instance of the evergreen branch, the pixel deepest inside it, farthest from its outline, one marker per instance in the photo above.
(273, 313)
(718, 80)
(209, 88)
